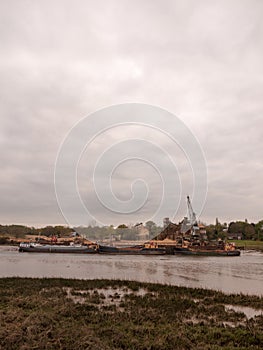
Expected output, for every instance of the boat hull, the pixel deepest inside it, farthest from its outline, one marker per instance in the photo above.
(131, 250)
(186, 251)
(29, 248)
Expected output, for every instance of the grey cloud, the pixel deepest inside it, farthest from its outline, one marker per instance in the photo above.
(61, 61)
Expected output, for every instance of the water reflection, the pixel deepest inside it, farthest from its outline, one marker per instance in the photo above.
(229, 274)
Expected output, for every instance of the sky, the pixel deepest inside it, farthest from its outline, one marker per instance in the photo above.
(61, 61)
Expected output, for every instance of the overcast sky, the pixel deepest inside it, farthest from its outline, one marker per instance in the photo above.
(62, 60)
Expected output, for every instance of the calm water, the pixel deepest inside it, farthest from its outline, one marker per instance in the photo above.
(229, 274)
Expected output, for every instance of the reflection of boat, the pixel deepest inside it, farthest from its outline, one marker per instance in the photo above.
(54, 248)
(134, 250)
(206, 252)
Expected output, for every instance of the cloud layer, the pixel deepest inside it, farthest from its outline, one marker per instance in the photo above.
(61, 61)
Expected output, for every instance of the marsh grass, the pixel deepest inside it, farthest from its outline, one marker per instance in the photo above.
(113, 314)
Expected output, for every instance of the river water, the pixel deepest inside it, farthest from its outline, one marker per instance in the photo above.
(228, 274)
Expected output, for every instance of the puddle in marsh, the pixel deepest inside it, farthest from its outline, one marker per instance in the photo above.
(102, 296)
(248, 311)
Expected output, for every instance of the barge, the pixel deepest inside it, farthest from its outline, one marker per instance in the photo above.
(206, 252)
(134, 250)
(55, 248)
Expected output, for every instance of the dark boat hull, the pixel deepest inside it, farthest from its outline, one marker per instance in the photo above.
(56, 249)
(131, 250)
(200, 252)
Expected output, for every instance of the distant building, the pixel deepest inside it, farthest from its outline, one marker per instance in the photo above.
(142, 232)
(235, 235)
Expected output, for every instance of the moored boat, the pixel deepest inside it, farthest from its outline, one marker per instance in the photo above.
(133, 250)
(206, 252)
(54, 248)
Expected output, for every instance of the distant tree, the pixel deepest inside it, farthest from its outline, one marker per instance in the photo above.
(216, 231)
(150, 225)
(122, 231)
(59, 231)
(17, 231)
(210, 231)
(222, 235)
(219, 230)
(235, 227)
(154, 230)
(122, 226)
(129, 234)
(259, 230)
(248, 230)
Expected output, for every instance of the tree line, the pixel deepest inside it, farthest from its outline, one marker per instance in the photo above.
(121, 232)
(20, 231)
(131, 232)
(245, 230)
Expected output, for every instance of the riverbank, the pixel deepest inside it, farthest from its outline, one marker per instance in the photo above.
(248, 244)
(111, 314)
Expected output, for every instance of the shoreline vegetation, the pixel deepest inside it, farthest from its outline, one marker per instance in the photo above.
(112, 314)
(248, 244)
(246, 235)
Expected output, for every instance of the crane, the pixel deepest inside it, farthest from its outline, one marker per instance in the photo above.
(191, 213)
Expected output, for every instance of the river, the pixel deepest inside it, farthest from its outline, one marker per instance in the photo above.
(228, 274)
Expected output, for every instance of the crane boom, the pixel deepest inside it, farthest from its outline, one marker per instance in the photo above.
(191, 213)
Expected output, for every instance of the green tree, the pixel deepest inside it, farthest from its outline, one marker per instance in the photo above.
(122, 226)
(211, 232)
(248, 230)
(259, 230)
(59, 231)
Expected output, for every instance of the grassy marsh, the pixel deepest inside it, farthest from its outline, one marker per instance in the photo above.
(112, 314)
